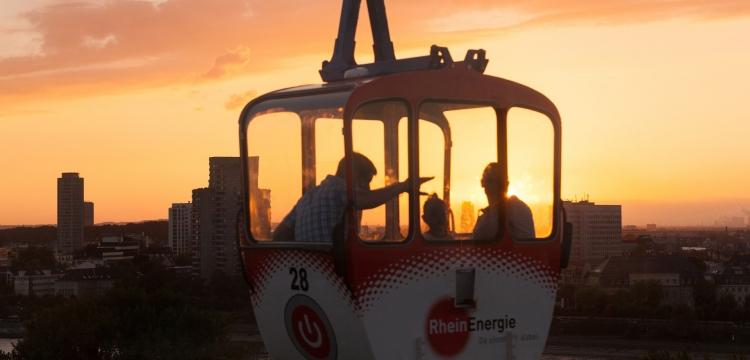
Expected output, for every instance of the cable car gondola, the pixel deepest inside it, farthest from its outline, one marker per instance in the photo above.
(468, 271)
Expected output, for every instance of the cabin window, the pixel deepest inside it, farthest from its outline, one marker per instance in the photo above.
(456, 143)
(329, 146)
(530, 144)
(379, 132)
(274, 170)
(292, 145)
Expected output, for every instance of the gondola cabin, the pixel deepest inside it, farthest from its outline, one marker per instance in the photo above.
(462, 264)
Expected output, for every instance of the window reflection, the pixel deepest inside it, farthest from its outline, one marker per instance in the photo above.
(274, 171)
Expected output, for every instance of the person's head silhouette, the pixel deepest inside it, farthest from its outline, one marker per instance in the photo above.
(435, 215)
(363, 170)
(492, 183)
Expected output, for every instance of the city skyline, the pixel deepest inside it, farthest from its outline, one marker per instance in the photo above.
(653, 115)
(741, 214)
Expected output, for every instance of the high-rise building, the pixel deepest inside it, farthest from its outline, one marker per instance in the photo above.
(225, 174)
(260, 202)
(468, 218)
(88, 213)
(70, 214)
(202, 230)
(180, 229)
(597, 232)
(214, 215)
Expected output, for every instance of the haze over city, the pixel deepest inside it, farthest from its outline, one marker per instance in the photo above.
(651, 95)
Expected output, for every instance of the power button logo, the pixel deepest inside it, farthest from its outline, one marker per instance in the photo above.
(309, 328)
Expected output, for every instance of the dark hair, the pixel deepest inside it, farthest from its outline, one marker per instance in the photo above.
(492, 175)
(362, 166)
(434, 207)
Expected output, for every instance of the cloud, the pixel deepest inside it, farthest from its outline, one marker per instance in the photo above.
(17, 38)
(483, 15)
(185, 35)
(479, 20)
(76, 43)
(225, 63)
(238, 100)
(117, 65)
(99, 42)
(75, 47)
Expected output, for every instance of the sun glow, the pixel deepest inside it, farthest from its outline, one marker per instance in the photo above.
(624, 103)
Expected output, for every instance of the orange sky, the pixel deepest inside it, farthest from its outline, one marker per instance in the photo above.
(136, 95)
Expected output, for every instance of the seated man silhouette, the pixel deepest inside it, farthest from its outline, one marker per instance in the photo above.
(318, 211)
(518, 215)
(435, 215)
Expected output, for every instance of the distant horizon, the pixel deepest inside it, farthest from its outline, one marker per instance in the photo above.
(639, 212)
(624, 223)
(4, 226)
(690, 213)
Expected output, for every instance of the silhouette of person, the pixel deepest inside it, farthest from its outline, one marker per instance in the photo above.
(435, 215)
(518, 215)
(318, 211)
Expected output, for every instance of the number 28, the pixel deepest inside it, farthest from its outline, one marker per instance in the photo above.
(299, 279)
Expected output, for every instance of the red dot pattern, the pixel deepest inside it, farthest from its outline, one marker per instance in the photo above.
(281, 261)
(439, 262)
(406, 272)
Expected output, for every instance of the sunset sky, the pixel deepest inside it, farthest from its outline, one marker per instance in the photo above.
(136, 95)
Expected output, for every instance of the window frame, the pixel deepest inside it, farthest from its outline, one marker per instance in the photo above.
(556, 202)
(502, 153)
(252, 110)
(246, 187)
(501, 144)
(349, 148)
(247, 241)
